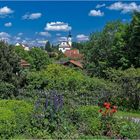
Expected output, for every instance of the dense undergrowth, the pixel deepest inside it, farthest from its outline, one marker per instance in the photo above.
(22, 119)
(51, 101)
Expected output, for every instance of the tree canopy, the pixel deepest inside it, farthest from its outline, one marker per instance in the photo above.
(116, 46)
(9, 64)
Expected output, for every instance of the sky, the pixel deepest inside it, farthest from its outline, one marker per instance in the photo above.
(35, 22)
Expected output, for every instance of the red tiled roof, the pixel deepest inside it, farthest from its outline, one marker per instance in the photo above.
(73, 54)
(77, 63)
(24, 63)
(64, 46)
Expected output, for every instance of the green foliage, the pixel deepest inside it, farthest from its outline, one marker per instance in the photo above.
(108, 54)
(50, 119)
(116, 46)
(126, 129)
(89, 124)
(7, 123)
(9, 64)
(37, 57)
(40, 58)
(14, 118)
(133, 46)
(78, 46)
(87, 120)
(57, 77)
(106, 49)
(93, 137)
(76, 83)
(6, 90)
(48, 47)
(73, 84)
(23, 54)
(129, 84)
(134, 114)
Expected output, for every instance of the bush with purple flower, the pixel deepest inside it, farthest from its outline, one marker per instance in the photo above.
(48, 111)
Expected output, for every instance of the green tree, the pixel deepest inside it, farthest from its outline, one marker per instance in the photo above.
(133, 45)
(106, 49)
(128, 82)
(77, 45)
(48, 47)
(23, 54)
(40, 58)
(9, 64)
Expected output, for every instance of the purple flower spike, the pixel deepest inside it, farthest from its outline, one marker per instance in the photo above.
(60, 101)
(55, 102)
(46, 103)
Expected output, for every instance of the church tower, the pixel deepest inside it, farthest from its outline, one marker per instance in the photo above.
(66, 44)
(69, 38)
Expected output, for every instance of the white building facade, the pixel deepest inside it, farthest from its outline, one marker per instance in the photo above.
(26, 48)
(66, 45)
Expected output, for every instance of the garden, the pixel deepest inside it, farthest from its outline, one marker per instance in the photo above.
(52, 101)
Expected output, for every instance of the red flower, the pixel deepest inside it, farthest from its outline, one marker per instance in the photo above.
(108, 104)
(114, 107)
(100, 110)
(113, 110)
(107, 107)
(105, 104)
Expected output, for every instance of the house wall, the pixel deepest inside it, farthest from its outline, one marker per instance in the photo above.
(63, 49)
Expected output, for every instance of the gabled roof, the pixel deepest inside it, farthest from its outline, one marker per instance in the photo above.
(65, 46)
(73, 54)
(24, 63)
(75, 63)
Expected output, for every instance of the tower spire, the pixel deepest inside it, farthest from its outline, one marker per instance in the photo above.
(70, 39)
(69, 34)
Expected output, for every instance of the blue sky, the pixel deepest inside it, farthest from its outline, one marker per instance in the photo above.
(33, 22)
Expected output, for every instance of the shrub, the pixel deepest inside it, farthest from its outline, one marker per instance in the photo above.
(6, 90)
(39, 58)
(56, 77)
(14, 118)
(128, 129)
(91, 124)
(49, 118)
(128, 82)
(7, 123)
(75, 82)
(87, 120)
(107, 119)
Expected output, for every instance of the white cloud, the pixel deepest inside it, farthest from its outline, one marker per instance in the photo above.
(5, 11)
(4, 36)
(47, 34)
(82, 37)
(96, 13)
(32, 16)
(24, 41)
(100, 5)
(17, 38)
(58, 34)
(20, 34)
(124, 7)
(57, 26)
(8, 24)
(42, 42)
(62, 38)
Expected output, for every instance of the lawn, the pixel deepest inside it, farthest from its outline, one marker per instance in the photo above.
(128, 114)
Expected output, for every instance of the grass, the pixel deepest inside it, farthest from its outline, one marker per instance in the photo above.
(123, 113)
(128, 114)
